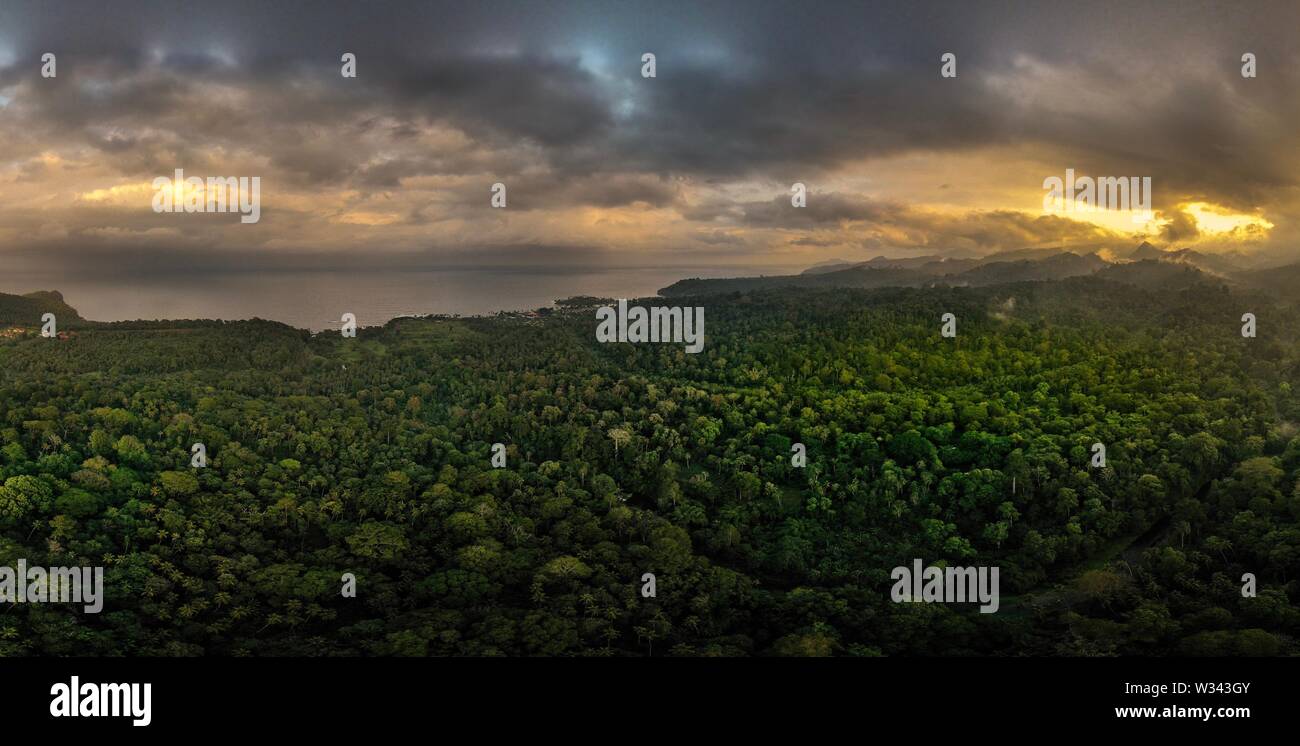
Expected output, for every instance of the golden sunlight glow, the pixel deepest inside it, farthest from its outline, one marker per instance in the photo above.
(369, 218)
(121, 194)
(1212, 219)
(1119, 221)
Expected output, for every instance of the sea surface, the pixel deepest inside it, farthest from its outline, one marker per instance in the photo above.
(316, 299)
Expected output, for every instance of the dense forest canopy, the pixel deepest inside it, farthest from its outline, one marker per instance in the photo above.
(371, 456)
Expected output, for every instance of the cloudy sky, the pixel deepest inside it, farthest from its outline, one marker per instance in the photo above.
(394, 167)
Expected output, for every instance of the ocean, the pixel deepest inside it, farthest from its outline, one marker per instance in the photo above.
(315, 299)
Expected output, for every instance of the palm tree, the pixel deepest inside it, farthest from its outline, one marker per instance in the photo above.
(1182, 528)
(620, 438)
(1220, 545)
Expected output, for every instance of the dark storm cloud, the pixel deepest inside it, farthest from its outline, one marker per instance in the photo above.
(548, 101)
(548, 98)
(822, 210)
(1181, 227)
(819, 89)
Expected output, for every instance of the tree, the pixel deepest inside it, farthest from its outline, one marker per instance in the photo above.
(178, 483)
(22, 496)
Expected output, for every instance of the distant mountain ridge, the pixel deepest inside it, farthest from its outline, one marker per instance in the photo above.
(1145, 266)
(1223, 264)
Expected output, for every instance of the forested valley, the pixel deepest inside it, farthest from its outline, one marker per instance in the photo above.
(371, 456)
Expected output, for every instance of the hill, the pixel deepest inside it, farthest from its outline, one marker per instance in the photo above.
(1145, 266)
(911, 272)
(27, 309)
(1280, 282)
(1155, 274)
(1055, 267)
